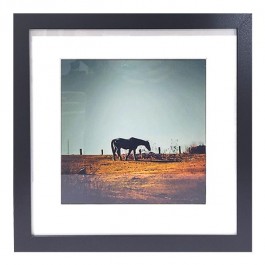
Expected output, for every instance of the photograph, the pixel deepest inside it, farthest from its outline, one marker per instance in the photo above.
(133, 131)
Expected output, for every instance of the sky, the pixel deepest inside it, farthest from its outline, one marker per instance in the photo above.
(162, 101)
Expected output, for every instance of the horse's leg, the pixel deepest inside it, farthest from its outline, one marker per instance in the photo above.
(114, 153)
(119, 153)
(128, 154)
(134, 154)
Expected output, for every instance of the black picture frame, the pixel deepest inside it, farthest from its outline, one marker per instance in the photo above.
(24, 241)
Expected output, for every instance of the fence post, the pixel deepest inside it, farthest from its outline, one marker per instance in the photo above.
(102, 152)
(159, 150)
(179, 149)
(80, 151)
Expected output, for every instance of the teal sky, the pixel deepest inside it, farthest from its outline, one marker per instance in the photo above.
(162, 101)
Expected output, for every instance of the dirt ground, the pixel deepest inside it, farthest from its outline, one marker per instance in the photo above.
(99, 179)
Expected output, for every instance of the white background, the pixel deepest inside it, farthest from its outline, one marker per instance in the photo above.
(217, 216)
(7, 256)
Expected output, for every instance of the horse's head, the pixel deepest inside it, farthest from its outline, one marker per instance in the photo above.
(147, 145)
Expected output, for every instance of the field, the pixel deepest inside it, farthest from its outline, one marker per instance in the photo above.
(167, 179)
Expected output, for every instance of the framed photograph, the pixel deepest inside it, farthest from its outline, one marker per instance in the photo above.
(132, 132)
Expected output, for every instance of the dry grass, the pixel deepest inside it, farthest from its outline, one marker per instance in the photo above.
(145, 181)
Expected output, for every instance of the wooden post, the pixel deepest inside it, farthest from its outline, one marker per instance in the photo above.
(179, 149)
(68, 147)
(80, 151)
(102, 152)
(159, 150)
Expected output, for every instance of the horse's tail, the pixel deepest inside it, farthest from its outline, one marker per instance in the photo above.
(113, 148)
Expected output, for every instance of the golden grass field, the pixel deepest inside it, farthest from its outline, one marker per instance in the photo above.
(181, 180)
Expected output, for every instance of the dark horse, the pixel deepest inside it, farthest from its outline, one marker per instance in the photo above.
(131, 144)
